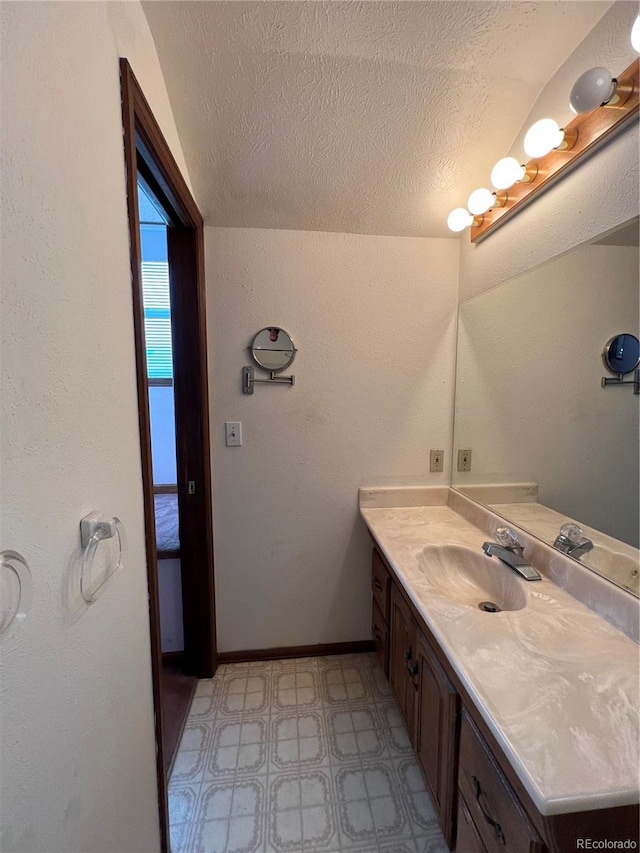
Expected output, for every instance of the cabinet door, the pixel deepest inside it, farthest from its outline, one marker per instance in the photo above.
(380, 637)
(467, 840)
(495, 810)
(437, 724)
(380, 583)
(403, 634)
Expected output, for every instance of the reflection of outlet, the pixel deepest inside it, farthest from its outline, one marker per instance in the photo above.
(464, 460)
(437, 460)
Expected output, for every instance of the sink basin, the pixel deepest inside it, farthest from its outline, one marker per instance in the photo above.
(467, 577)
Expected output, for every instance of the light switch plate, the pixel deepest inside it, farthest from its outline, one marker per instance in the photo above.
(233, 433)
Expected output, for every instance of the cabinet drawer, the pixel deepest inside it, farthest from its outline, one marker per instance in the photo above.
(380, 636)
(467, 839)
(380, 584)
(494, 808)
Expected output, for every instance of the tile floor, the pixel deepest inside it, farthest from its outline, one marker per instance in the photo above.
(299, 755)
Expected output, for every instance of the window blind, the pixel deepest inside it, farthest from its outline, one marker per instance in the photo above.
(157, 319)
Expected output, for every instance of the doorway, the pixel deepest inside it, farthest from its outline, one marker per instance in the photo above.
(165, 227)
(176, 685)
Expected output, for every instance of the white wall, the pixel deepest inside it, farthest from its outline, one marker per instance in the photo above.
(170, 595)
(374, 321)
(597, 196)
(163, 434)
(78, 758)
(529, 400)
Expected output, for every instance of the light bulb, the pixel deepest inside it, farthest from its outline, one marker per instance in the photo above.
(459, 219)
(480, 201)
(506, 173)
(592, 89)
(542, 137)
(635, 35)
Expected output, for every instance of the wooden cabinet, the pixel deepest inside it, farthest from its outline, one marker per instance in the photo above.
(495, 811)
(380, 589)
(430, 706)
(479, 799)
(380, 584)
(467, 838)
(380, 632)
(437, 717)
(402, 666)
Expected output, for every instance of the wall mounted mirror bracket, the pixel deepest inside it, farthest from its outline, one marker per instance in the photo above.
(621, 356)
(248, 379)
(273, 350)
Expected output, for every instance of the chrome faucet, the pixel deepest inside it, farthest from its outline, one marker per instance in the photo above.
(572, 541)
(510, 551)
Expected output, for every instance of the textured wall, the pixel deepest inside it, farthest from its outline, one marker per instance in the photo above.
(78, 754)
(599, 195)
(366, 118)
(374, 321)
(528, 396)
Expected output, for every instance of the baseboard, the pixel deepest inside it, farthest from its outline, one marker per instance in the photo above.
(172, 658)
(356, 647)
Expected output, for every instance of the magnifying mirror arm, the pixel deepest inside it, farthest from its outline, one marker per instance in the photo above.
(619, 380)
(249, 380)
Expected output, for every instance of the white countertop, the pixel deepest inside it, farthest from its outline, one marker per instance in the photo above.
(557, 684)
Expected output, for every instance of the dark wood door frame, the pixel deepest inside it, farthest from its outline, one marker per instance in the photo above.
(147, 152)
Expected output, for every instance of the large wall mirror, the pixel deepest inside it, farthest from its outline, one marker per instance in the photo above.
(550, 445)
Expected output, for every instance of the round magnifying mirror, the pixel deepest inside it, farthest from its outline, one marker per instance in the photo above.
(622, 354)
(273, 349)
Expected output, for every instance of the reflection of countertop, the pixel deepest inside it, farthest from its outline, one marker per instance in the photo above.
(546, 523)
(556, 684)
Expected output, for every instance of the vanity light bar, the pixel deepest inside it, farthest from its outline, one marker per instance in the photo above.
(557, 151)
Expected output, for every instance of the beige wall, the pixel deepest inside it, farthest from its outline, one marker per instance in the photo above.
(528, 397)
(374, 321)
(77, 770)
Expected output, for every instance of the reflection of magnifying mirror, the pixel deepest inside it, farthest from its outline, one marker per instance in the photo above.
(273, 349)
(622, 354)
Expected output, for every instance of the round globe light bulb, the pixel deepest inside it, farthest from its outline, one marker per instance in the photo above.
(480, 201)
(635, 35)
(593, 88)
(542, 137)
(506, 173)
(459, 219)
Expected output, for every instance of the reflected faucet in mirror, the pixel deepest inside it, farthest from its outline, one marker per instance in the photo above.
(571, 540)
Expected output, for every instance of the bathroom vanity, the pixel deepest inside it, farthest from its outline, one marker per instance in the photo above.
(524, 719)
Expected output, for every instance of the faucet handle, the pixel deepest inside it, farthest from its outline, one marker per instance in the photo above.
(508, 538)
(571, 532)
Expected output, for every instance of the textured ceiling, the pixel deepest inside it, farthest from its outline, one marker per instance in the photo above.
(362, 117)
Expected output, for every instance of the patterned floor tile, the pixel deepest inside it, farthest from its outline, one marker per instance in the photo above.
(305, 755)
(183, 801)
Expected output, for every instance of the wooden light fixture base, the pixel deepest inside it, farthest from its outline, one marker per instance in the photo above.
(593, 130)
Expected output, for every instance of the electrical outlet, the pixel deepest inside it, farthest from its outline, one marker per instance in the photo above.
(436, 461)
(233, 433)
(464, 460)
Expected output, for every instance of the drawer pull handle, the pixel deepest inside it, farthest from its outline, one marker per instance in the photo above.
(496, 826)
(412, 670)
(377, 633)
(408, 654)
(377, 584)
